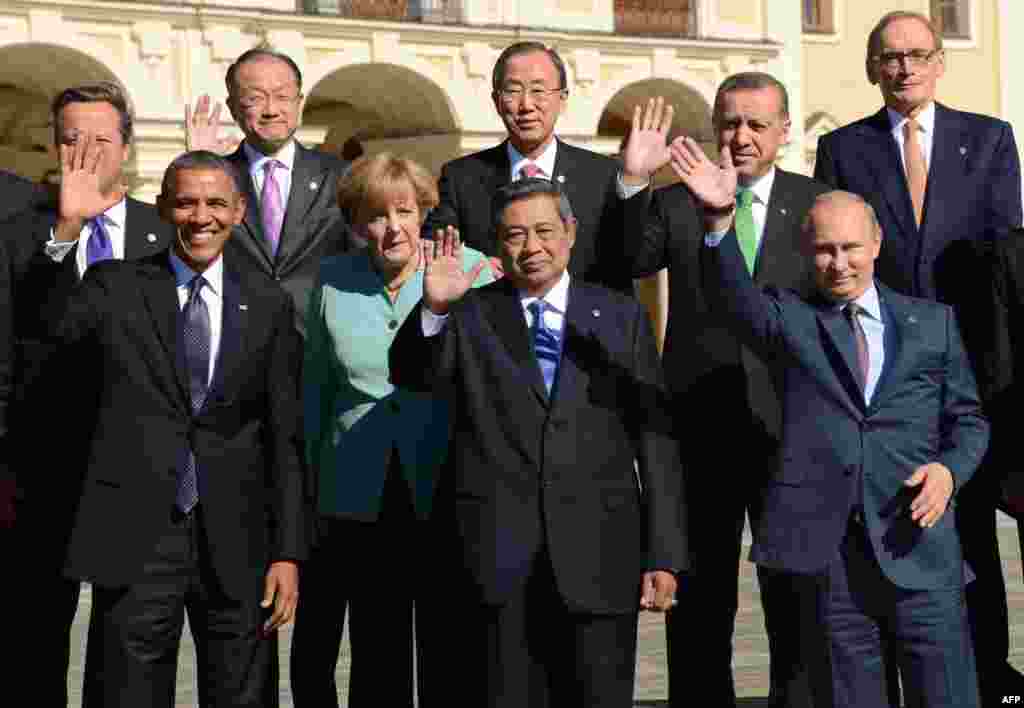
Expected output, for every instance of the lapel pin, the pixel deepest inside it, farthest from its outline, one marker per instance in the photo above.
(782, 211)
(244, 308)
(151, 238)
(313, 185)
(561, 179)
(912, 319)
(596, 313)
(963, 150)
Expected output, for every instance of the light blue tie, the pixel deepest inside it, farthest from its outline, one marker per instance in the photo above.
(546, 344)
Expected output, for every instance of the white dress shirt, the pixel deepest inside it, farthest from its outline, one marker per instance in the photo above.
(286, 156)
(113, 221)
(212, 294)
(556, 299)
(762, 189)
(926, 128)
(546, 160)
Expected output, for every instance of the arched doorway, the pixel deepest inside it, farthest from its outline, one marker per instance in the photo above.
(370, 108)
(31, 75)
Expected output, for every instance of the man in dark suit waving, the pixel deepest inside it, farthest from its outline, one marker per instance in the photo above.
(942, 182)
(292, 220)
(707, 368)
(881, 424)
(556, 389)
(194, 473)
(530, 91)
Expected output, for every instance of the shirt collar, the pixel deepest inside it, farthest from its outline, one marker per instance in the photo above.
(925, 119)
(546, 161)
(557, 298)
(116, 214)
(869, 303)
(286, 156)
(183, 275)
(762, 186)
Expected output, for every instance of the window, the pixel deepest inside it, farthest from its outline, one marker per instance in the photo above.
(952, 18)
(818, 16)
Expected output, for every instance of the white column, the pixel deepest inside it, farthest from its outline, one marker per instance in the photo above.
(1011, 58)
(784, 24)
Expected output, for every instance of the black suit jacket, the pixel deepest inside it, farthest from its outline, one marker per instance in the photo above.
(314, 227)
(17, 194)
(245, 438)
(837, 449)
(468, 184)
(706, 366)
(35, 373)
(974, 191)
(527, 472)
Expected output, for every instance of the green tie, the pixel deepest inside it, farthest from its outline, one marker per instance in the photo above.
(746, 233)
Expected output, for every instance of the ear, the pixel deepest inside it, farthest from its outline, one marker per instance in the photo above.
(570, 231)
(239, 212)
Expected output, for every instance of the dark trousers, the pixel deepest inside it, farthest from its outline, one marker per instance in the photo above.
(533, 651)
(134, 633)
(722, 490)
(378, 573)
(926, 633)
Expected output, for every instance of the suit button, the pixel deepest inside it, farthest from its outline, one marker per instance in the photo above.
(393, 324)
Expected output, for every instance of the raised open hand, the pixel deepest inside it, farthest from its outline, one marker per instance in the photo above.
(82, 192)
(646, 149)
(714, 185)
(202, 127)
(444, 281)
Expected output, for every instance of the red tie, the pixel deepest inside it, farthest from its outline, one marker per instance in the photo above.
(531, 170)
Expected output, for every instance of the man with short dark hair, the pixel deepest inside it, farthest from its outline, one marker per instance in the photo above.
(292, 220)
(942, 182)
(47, 451)
(708, 368)
(529, 92)
(194, 468)
(556, 389)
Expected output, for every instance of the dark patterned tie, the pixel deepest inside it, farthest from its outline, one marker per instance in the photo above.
(546, 344)
(852, 311)
(99, 248)
(197, 359)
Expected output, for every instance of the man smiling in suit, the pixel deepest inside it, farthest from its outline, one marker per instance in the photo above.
(530, 91)
(942, 183)
(195, 450)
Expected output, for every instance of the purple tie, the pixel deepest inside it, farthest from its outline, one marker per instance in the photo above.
(270, 205)
(531, 170)
(99, 248)
(852, 311)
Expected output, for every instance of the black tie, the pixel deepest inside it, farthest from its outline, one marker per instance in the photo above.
(197, 359)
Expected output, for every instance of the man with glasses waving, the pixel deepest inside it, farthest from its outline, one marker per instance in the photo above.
(942, 182)
(292, 220)
(530, 91)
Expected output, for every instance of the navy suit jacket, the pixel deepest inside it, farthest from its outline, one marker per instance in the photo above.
(925, 409)
(974, 191)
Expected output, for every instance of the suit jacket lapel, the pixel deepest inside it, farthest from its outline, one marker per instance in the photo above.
(883, 159)
(161, 299)
(578, 339)
(308, 181)
(497, 176)
(947, 166)
(899, 323)
(837, 331)
(143, 235)
(232, 336)
(252, 226)
(506, 314)
(777, 259)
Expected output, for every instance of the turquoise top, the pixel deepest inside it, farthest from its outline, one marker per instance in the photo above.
(353, 415)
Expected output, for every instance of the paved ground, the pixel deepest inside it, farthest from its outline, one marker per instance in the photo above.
(750, 663)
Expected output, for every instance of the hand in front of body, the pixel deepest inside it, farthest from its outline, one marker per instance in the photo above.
(713, 184)
(280, 591)
(936, 482)
(444, 281)
(658, 591)
(202, 127)
(83, 194)
(646, 150)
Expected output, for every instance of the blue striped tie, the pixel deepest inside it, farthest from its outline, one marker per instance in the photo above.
(197, 358)
(546, 344)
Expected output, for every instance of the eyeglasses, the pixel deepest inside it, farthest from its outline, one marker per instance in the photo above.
(514, 94)
(914, 58)
(258, 100)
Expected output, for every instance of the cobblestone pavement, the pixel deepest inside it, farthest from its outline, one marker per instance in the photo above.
(751, 648)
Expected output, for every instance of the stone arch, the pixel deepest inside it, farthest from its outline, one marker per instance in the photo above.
(383, 106)
(31, 74)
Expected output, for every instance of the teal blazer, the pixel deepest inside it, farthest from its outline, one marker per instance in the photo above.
(354, 416)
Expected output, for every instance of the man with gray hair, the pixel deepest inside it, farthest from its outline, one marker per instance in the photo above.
(943, 182)
(558, 539)
(708, 368)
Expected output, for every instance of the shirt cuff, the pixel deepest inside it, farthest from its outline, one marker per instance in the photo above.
(712, 239)
(625, 191)
(432, 324)
(56, 250)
